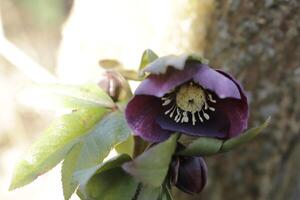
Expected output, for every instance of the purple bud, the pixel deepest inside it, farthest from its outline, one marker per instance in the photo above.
(189, 174)
(115, 85)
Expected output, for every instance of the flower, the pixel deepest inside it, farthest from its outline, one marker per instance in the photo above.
(182, 94)
(189, 174)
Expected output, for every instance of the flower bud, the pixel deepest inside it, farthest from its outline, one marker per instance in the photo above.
(189, 174)
(115, 85)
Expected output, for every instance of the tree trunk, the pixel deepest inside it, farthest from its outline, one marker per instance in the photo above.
(259, 42)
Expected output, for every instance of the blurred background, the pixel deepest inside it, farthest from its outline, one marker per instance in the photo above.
(63, 40)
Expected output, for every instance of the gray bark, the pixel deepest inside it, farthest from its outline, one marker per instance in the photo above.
(259, 42)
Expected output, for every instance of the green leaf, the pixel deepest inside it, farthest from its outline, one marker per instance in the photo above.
(56, 96)
(149, 193)
(110, 64)
(115, 65)
(54, 144)
(205, 146)
(83, 176)
(152, 166)
(111, 184)
(68, 167)
(126, 147)
(130, 74)
(147, 57)
(202, 146)
(244, 138)
(96, 145)
(167, 195)
(112, 130)
(140, 146)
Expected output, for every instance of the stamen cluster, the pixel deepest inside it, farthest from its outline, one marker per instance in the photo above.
(188, 103)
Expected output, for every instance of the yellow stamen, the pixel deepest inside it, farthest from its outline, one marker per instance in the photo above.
(191, 98)
(188, 104)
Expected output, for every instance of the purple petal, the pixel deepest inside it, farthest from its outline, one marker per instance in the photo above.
(192, 174)
(158, 85)
(236, 111)
(141, 113)
(236, 114)
(217, 126)
(216, 82)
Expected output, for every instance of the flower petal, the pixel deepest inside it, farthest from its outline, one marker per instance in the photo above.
(141, 113)
(217, 125)
(236, 111)
(159, 85)
(192, 174)
(216, 82)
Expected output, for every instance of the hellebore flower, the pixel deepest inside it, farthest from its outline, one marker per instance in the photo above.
(183, 95)
(189, 174)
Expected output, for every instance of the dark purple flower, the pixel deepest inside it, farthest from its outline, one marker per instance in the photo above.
(189, 174)
(184, 95)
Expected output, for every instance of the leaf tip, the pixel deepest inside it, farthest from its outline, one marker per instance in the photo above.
(147, 57)
(14, 184)
(245, 137)
(11, 187)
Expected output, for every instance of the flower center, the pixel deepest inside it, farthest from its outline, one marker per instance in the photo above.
(190, 97)
(188, 103)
